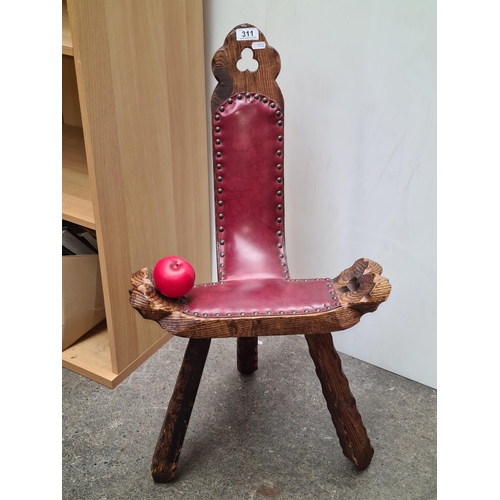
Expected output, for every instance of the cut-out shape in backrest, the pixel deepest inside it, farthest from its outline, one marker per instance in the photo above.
(233, 79)
(247, 62)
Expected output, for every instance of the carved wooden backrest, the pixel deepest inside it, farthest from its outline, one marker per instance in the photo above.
(248, 156)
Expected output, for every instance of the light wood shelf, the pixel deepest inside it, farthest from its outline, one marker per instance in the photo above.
(134, 159)
(76, 198)
(67, 42)
(90, 356)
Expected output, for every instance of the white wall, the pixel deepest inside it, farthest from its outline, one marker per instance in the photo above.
(359, 81)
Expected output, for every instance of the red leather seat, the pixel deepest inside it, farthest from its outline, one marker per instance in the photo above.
(260, 297)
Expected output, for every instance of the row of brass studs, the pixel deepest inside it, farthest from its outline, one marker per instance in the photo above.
(220, 203)
(279, 208)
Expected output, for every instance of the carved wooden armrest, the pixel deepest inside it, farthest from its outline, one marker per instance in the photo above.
(362, 287)
(145, 298)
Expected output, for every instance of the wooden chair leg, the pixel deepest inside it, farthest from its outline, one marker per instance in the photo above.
(340, 401)
(247, 355)
(169, 445)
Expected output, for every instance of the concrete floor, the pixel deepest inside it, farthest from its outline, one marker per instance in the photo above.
(265, 436)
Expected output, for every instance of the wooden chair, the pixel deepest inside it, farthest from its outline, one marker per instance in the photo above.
(255, 293)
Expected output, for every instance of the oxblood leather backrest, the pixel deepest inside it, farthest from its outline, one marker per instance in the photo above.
(248, 146)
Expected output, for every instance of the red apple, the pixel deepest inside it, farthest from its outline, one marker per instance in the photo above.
(174, 276)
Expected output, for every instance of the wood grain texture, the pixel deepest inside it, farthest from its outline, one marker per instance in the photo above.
(370, 289)
(67, 41)
(173, 431)
(340, 401)
(247, 355)
(76, 198)
(70, 104)
(144, 126)
(231, 80)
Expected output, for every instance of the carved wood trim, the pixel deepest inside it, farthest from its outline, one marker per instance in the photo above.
(231, 80)
(360, 288)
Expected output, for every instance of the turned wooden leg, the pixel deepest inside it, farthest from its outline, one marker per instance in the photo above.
(247, 355)
(168, 447)
(340, 401)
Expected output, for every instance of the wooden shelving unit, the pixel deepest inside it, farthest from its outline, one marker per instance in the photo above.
(134, 159)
